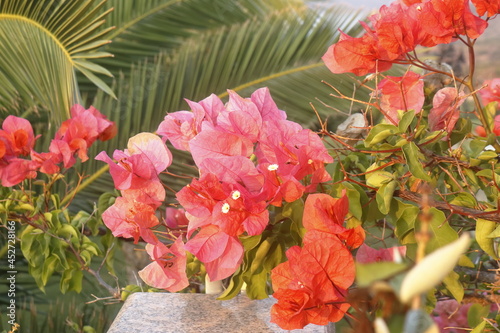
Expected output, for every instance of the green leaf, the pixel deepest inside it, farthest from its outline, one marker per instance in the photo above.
(479, 328)
(71, 280)
(379, 133)
(484, 229)
(366, 274)
(495, 233)
(441, 231)
(406, 215)
(234, 287)
(384, 196)
(476, 314)
(411, 153)
(256, 285)
(454, 286)
(465, 200)
(406, 120)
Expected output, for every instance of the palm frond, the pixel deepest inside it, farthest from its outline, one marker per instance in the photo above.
(42, 44)
(145, 28)
(282, 51)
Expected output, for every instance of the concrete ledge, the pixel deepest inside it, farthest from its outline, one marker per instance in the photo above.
(196, 313)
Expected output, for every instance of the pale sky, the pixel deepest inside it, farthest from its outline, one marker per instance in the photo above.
(365, 3)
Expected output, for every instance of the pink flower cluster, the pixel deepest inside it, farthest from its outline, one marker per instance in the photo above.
(135, 173)
(73, 138)
(249, 157)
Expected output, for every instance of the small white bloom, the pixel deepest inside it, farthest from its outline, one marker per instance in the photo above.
(236, 195)
(310, 161)
(225, 208)
(272, 167)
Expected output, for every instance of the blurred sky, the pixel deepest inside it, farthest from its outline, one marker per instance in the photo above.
(375, 4)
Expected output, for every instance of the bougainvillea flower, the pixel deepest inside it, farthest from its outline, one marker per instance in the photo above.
(83, 128)
(449, 18)
(359, 56)
(491, 93)
(168, 269)
(310, 287)
(367, 254)
(222, 254)
(151, 146)
(46, 162)
(327, 214)
(230, 207)
(3, 149)
(131, 219)
(213, 144)
(400, 93)
(234, 170)
(152, 193)
(242, 117)
(17, 136)
(182, 126)
(179, 128)
(445, 111)
(63, 152)
(267, 107)
(17, 170)
(397, 29)
(279, 186)
(175, 218)
(144, 159)
(491, 7)
(496, 128)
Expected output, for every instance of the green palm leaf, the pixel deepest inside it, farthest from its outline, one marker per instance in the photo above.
(145, 28)
(42, 44)
(283, 52)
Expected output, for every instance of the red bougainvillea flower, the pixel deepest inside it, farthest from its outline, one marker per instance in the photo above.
(168, 269)
(359, 56)
(175, 218)
(367, 254)
(131, 219)
(491, 93)
(152, 193)
(221, 253)
(496, 128)
(445, 111)
(230, 207)
(327, 214)
(448, 18)
(144, 159)
(279, 186)
(17, 136)
(401, 93)
(82, 129)
(310, 287)
(17, 170)
(491, 7)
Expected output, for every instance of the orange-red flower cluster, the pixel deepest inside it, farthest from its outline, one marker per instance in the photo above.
(311, 286)
(397, 29)
(74, 137)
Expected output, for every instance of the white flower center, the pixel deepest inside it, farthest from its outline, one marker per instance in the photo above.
(236, 195)
(272, 167)
(225, 208)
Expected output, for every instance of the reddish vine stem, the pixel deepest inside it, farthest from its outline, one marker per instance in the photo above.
(441, 205)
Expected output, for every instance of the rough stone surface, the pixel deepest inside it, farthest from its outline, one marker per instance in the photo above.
(196, 313)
